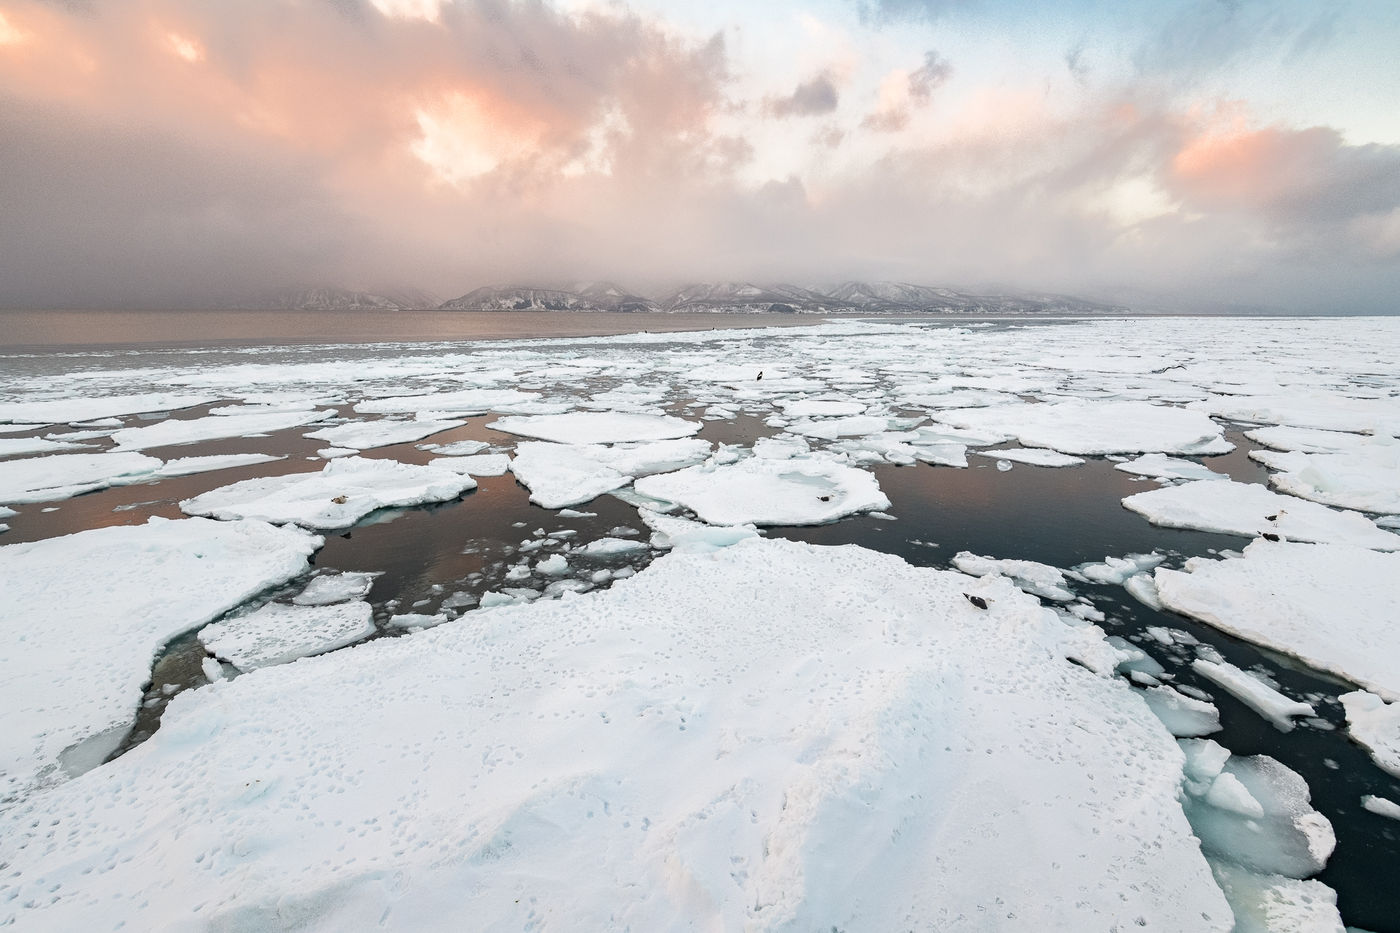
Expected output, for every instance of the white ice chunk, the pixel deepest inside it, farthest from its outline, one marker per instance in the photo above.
(1375, 724)
(560, 474)
(70, 410)
(1254, 693)
(670, 532)
(456, 448)
(1035, 578)
(82, 616)
(1309, 440)
(1184, 717)
(1080, 427)
(329, 588)
(364, 435)
(43, 479)
(826, 732)
(1119, 569)
(276, 634)
(342, 493)
(1329, 605)
(1160, 466)
(597, 427)
(331, 453)
(460, 402)
(769, 492)
(782, 447)
(606, 547)
(1143, 588)
(1310, 410)
(184, 466)
(1267, 903)
(1033, 456)
(821, 408)
(555, 565)
(474, 464)
(832, 428)
(14, 446)
(1381, 806)
(1249, 509)
(211, 427)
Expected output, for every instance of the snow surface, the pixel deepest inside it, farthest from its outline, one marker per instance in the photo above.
(1249, 509)
(61, 476)
(1033, 456)
(276, 634)
(769, 492)
(1332, 606)
(364, 435)
(82, 616)
(597, 427)
(342, 493)
(212, 427)
(863, 748)
(1375, 724)
(560, 475)
(1084, 427)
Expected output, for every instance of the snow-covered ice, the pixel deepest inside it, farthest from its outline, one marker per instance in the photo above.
(329, 588)
(1332, 606)
(15, 446)
(1269, 903)
(1184, 716)
(1375, 724)
(559, 475)
(61, 476)
(864, 748)
(82, 616)
(1381, 806)
(769, 492)
(1250, 509)
(342, 493)
(474, 464)
(212, 427)
(364, 435)
(464, 401)
(1083, 427)
(71, 410)
(597, 427)
(276, 633)
(1160, 466)
(1038, 579)
(1032, 455)
(1118, 569)
(1366, 477)
(184, 466)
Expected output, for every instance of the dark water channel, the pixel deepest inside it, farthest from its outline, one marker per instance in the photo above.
(443, 558)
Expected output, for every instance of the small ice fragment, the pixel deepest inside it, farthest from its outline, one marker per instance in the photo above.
(1183, 716)
(1004, 465)
(276, 633)
(1381, 806)
(331, 588)
(1030, 455)
(1254, 693)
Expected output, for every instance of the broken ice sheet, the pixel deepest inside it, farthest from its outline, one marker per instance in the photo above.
(759, 491)
(1099, 427)
(212, 427)
(365, 435)
(276, 634)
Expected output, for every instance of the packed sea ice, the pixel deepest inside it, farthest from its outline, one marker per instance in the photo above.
(854, 756)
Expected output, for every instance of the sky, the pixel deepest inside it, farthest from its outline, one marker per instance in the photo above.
(1201, 154)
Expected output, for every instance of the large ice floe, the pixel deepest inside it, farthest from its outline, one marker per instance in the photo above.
(1333, 606)
(363, 435)
(597, 427)
(56, 411)
(1249, 509)
(342, 493)
(61, 476)
(81, 617)
(1083, 427)
(1366, 477)
(212, 427)
(861, 749)
(1375, 724)
(560, 475)
(760, 491)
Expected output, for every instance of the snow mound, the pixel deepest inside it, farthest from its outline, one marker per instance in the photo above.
(1083, 427)
(82, 616)
(1249, 509)
(597, 427)
(758, 491)
(861, 748)
(342, 493)
(1329, 605)
(276, 634)
(60, 476)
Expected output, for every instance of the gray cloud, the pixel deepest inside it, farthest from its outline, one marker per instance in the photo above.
(930, 76)
(809, 99)
(895, 11)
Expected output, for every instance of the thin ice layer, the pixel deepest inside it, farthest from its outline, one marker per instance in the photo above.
(44, 479)
(82, 615)
(1032, 455)
(212, 427)
(769, 492)
(1249, 509)
(184, 466)
(597, 427)
(1083, 427)
(342, 493)
(860, 747)
(57, 411)
(276, 634)
(1160, 466)
(364, 435)
(1329, 605)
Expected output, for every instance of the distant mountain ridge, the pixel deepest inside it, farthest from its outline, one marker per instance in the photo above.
(712, 297)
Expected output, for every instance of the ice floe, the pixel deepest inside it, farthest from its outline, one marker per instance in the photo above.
(329, 588)
(1184, 716)
(1118, 569)
(61, 476)
(276, 633)
(184, 466)
(759, 491)
(15, 446)
(559, 475)
(1381, 806)
(474, 464)
(859, 748)
(1367, 477)
(464, 401)
(597, 427)
(342, 493)
(1253, 692)
(212, 427)
(1032, 455)
(1083, 427)
(1375, 724)
(1331, 606)
(1269, 903)
(364, 435)
(1304, 409)
(72, 410)
(1035, 578)
(1250, 509)
(1160, 466)
(82, 616)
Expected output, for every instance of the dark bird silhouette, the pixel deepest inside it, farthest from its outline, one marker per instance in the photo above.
(977, 601)
(1270, 536)
(759, 376)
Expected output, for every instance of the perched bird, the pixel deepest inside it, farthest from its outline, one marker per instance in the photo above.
(977, 601)
(759, 376)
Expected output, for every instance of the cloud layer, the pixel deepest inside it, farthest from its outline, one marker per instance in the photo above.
(163, 153)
